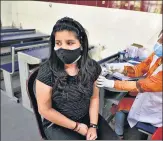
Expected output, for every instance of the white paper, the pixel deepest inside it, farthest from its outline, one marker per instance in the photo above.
(120, 76)
(133, 62)
(123, 77)
(118, 64)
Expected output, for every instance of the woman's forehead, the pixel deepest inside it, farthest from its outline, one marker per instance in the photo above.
(65, 34)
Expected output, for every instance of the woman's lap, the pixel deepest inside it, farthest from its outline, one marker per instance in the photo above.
(60, 133)
(104, 131)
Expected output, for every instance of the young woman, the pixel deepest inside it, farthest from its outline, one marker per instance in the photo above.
(67, 96)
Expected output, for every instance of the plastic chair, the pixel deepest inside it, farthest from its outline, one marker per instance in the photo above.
(31, 92)
(157, 134)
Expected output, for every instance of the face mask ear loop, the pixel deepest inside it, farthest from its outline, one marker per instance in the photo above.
(159, 36)
(81, 48)
(158, 44)
(55, 48)
(77, 59)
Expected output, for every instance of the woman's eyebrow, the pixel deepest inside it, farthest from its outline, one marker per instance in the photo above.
(71, 40)
(57, 40)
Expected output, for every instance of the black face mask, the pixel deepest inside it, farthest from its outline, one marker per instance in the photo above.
(68, 56)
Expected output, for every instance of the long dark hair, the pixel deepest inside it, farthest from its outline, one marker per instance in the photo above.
(57, 66)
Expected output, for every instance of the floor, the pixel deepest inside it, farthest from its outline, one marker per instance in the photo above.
(17, 123)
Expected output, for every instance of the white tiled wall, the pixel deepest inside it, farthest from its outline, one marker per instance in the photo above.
(114, 28)
(6, 13)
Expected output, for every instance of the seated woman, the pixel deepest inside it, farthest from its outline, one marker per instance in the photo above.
(66, 91)
(147, 106)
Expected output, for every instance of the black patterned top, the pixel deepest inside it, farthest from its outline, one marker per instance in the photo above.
(70, 98)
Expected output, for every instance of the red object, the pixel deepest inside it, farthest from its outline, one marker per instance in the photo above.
(81, 2)
(109, 4)
(62, 1)
(72, 1)
(157, 134)
(92, 3)
(124, 5)
(144, 6)
(125, 104)
(133, 93)
(57, 1)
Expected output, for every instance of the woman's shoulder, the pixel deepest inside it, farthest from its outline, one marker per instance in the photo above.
(45, 66)
(93, 63)
(94, 68)
(44, 73)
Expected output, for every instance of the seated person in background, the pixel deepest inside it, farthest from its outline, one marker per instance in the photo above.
(66, 91)
(147, 106)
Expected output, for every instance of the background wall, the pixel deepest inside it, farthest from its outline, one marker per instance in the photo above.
(114, 28)
(154, 6)
(6, 13)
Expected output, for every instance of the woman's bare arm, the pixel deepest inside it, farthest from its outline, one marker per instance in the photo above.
(43, 95)
(94, 105)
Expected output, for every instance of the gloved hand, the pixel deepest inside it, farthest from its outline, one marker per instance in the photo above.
(112, 68)
(103, 82)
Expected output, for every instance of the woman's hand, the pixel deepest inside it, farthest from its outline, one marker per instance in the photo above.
(92, 134)
(82, 129)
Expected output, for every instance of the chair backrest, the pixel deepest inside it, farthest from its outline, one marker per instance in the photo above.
(31, 92)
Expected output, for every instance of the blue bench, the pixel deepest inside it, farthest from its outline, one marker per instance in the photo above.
(18, 32)
(9, 30)
(146, 128)
(10, 68)
(13, 66)
(8, 40)
(28, 44)
(7, 50)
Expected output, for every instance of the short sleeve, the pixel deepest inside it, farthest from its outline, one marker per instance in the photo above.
(45, 74)
(98, 70)
(95, 69)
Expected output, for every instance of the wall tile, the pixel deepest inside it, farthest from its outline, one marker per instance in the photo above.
(62, 1)
(92, 2)
(72, 1)
(82, 2)
(102, 3)
(57, 1)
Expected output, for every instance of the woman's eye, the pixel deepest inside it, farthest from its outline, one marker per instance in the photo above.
(70, 43)
(58, 44)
